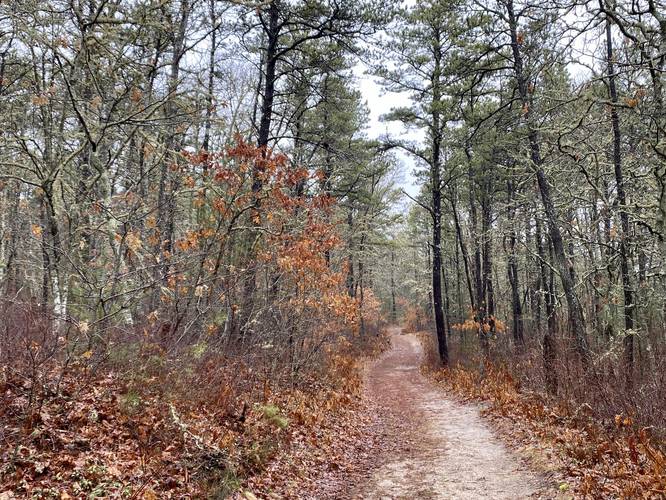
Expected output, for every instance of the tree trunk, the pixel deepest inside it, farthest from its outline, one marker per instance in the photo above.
(463, 250)
(394, 314)
(512, 269)
(624, 217)
(436, 192)
(549, 334)
(270, 58)
(488, 296)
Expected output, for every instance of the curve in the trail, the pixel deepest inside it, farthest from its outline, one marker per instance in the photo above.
(449, 452)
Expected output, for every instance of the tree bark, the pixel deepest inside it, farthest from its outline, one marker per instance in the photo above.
(549, 333)
(436, 193)
(624, 216)
(464, 252)
(394, 315)
(512, 268)
(270, 58)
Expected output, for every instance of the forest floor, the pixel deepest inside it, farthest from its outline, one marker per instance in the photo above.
(433, 446)
(393, 427)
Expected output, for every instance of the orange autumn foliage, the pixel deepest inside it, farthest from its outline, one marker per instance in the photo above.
(470, 325)
(415, 318)
(298, 231)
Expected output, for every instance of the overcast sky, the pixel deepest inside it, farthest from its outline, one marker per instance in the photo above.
(379, 103)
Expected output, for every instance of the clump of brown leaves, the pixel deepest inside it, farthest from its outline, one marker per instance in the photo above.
(592, 457)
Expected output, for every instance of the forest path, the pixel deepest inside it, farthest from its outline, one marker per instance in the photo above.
(442, 448)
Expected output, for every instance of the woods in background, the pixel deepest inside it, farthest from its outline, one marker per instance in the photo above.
(543, 190)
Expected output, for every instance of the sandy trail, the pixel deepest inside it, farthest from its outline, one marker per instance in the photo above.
(444, 449)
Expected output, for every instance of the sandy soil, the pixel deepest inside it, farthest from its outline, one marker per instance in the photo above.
(439, 448)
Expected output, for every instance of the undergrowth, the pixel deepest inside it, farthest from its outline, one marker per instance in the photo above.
(146, 424)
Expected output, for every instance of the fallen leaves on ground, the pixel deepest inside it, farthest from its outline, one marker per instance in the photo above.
(109, 434)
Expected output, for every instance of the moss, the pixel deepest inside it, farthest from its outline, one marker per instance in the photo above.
(273, 414)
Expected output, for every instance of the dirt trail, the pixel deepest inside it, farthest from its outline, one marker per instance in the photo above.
(443, 449)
